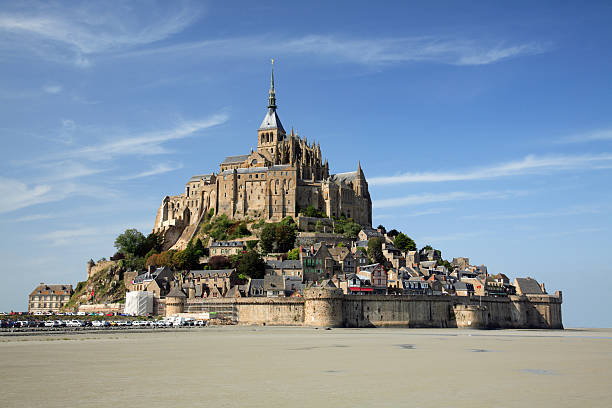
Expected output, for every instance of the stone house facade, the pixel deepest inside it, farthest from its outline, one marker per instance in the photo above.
(49, 298)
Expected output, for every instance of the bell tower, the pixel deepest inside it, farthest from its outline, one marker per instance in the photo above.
(271, 130)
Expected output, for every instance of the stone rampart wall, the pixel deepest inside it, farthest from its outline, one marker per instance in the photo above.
(322, 307)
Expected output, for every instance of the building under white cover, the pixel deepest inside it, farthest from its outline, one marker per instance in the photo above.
(138, 303)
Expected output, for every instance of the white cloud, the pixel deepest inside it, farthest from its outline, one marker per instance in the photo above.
(34, 217)
(52, 89)
(370, 51)
(65, 236)
(17, 194)
(142, 144)
(428, 198)
(80, 30)
(430, 211)
(596, 136)
(560, 212)
(452, 237)
(529, 165)
(158, 169)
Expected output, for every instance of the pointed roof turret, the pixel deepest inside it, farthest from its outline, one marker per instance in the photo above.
(271, 120)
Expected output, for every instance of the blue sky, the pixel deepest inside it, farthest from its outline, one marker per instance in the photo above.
(484, 128)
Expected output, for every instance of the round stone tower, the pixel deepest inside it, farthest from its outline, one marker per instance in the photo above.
(471, 316)
(175, 301)
(323, 307)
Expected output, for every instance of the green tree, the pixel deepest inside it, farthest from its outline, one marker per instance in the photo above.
(404, 243)
(375, 250)
(294, 254)
(285, 237)
(351, 229)
(199, 247)
(129, 241)
(311, 211)
(251, 264)
(187, 259)
(319, 226)
(268, 237)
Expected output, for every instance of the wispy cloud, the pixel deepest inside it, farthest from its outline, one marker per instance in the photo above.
(158, 169)
(371, 51)
(596, 136)
(52, 89)
(430, 211)
(79, 30)
(17, 194)
(558, 212)
(68, 236)
(529, 165)
(34, 217)
(150, 143)
(428, 198)
(457, 236)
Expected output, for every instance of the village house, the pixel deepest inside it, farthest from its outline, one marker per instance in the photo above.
(377, 276)
(366, 233)
(213, 283)
(285, 268)
(393, 255)
(227, 248)
(344, 260)
(49, 298)
(274, 286)
(464, 288)
(255, 288)
(156, 280)
(416, 286)
(356, 285)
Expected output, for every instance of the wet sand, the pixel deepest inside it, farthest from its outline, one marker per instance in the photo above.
(270, 367)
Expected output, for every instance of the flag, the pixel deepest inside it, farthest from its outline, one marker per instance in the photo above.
(92, 293)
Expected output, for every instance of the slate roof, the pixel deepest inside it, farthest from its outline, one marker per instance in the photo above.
(235, 159)
(287, 264)
(227, 244)
(343, 177)
(272, 121)
(257, 283)
(212, 272)
(176, 292)
(43, 289)
(463, 286)
(274, 282)
(528, 286)
(339, 253)
(158, 272)
(328, 283)
(371, 233)
(205, 177)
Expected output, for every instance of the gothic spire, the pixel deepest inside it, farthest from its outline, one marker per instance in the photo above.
(272, 96)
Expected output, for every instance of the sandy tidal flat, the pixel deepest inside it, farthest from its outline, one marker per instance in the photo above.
(270, 367)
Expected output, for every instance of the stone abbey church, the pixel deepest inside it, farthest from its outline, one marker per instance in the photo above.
(285, 174)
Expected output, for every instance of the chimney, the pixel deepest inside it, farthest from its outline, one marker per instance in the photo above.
(542, 287)
(151, 269)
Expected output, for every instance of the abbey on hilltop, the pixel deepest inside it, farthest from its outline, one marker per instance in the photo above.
(285, 174)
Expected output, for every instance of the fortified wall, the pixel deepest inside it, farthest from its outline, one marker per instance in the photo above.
(330, 307)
